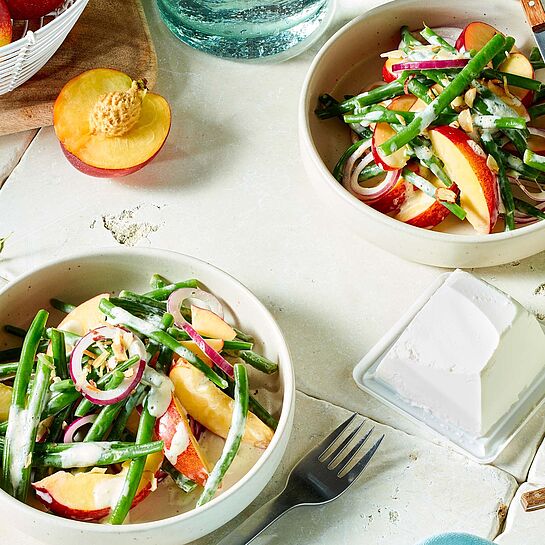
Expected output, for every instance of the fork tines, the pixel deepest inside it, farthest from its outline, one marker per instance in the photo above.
(341, 454)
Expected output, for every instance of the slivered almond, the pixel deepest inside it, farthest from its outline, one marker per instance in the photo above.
(470, 96)
(458, 104)
(466, 121)
(445, 194)
(492, 164)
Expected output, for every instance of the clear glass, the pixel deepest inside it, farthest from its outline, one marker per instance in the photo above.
(246, 29)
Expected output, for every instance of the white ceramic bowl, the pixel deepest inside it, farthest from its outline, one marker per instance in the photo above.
(349, 61)
(80, 277)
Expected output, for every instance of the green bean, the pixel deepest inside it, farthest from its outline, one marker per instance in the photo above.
(243, 336)
(8, 370)
(497, 122)
(505, 186)
(430, 190)
(516, 163)
(504, 53)
(408, 41)
(259, 362)
(534, 160)
(15, 477)
(107, 414)
(58, 348)
(142, 299)
(4, 427)
(380, 114)
(427, 116)
(527, 208)
(67, 308)
(536, 60)
(369, 172)
(536, 111)
(234, 437)
(338, 169)
(110, 381)
(158, 281)
(14, 330)
(65, 455)
(161, 294)
(390, 90)
(130, 404)
(55, 429)
(185, 484)
(62, 385)
(419, 90)
(164, 355)
(136, 468)
(513, 79)
(153, 332)
(24, 420)
(181, 335)
(141, 310)
(434, 39)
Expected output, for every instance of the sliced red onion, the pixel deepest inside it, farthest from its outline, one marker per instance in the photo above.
(76, 425)
(538, 196)
(537, 132)
(197, 429)
(174, 303)
(432, 64)
(79, 376)
(198, 298)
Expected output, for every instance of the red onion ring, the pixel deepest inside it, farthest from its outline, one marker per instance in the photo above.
(79, 376)
(197, 429)
(76, 425)
(536, 196)
(174, 303)
(537, 132)
(199, 298)
(437, 64)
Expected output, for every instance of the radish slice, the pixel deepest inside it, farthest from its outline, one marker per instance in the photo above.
(437, 64)
(174, 303)
(76, 425)
(79, 375)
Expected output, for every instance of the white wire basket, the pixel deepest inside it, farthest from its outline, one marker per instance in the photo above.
(39, 41)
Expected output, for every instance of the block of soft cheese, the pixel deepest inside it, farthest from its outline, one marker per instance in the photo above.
(467, 356)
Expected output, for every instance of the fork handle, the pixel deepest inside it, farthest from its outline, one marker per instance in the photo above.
(259, 521)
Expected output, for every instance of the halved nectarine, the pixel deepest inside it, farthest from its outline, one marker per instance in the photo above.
(5, 24)
(475, 36)
(109, 125)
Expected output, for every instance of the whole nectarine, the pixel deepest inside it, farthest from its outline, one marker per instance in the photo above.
(32, 9)
(109, 125)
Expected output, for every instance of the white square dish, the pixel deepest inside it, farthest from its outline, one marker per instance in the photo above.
(483, 449)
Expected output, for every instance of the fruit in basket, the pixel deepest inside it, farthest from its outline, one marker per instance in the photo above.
(90, 495)
(32, 9)
(109, 125)
(466, 164)
(5, 24)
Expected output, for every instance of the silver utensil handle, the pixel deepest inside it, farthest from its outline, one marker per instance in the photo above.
(259, 521)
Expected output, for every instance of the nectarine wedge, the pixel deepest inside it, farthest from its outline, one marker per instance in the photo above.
(475, 36)
(465, 163)
(207, 323)
(518, 64)
(181, 448)
(90, 496)
(6, 27)
(109, 125)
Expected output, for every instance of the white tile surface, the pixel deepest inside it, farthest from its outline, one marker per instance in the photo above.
(392, 503)
(12, 148)
(229, 188)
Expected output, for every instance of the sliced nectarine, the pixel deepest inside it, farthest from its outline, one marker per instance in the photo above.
(475, 36)
(181, 448)
(387, 73)
(109, 125)
(90, 496)
(5, 401)
(466, 164)
(518, 64)
(216, 344)
(207, 323)
(6, 27)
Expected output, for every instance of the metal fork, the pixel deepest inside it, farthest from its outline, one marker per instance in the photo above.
(321, 476)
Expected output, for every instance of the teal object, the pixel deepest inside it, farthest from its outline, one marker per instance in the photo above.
(246, 29)
(456, 539)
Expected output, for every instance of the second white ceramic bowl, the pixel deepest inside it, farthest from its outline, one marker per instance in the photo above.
(349, 61)
(80, 277)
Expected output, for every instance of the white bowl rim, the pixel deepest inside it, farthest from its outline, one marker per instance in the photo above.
(288, 401)
(305, 133)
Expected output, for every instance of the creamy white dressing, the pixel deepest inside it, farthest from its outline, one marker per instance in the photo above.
(18, 420)
(120, 316)
(81, 455)
(180, 442)
(161, 389)
(106, 492)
